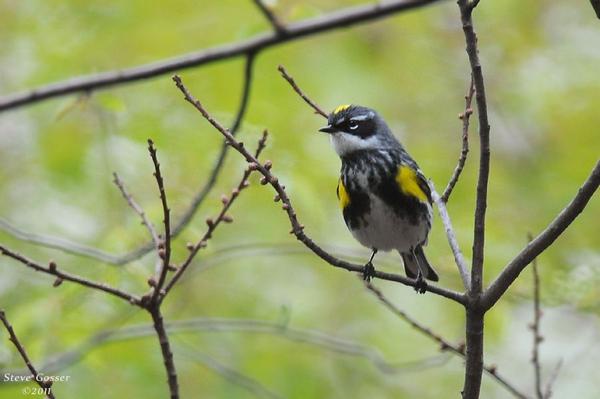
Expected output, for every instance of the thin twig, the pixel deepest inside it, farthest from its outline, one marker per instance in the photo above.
(552, 379)
(270, 16)
(297, 228)
(297, 89)
(335, 20)
(137, 209)
(543, 240)
(37, 377)
(78, 249)
(61, 276)
(459, 259)
(465, 117)
(164, 247)
(165, 347)
(445, 345)
(535, 329)
(221, 217)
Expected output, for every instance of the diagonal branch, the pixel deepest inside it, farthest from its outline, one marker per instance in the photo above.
(297, 89)
(445, 345)
(45, 385)
(270, 16)
(53, 270)
(543, 240)
(335, 20)
(297, 228)
(465, 117)
(136, 208)
(451, 236)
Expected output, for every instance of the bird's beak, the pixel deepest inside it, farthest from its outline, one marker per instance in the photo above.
(328, 129)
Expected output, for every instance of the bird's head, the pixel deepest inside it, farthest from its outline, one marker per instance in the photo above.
(354, 128)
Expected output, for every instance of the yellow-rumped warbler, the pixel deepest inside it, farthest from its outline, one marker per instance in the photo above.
(385, 199)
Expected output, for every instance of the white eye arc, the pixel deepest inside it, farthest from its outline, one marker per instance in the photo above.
(353, 125)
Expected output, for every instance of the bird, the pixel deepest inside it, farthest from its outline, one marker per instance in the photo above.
(384, 196)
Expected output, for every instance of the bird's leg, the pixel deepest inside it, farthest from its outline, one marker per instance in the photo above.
(369, 271)
(421, 284)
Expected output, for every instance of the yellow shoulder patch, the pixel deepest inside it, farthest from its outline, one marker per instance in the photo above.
(342, 194)
(341, 108)
(408, 183)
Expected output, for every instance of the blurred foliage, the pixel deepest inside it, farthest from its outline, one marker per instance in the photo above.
(56, 159)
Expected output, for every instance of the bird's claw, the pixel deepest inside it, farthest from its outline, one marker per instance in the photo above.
(368, 272)
(420, 284)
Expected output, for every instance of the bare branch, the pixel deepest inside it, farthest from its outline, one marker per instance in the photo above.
(61, 276)
(445, 345)
(459, 259)
(466, 9)
(78, 249)
(164, 247)
(552, 380)
(297, 228)
(474, 325)
(45, 385)
(297, 89)
(167, 353)
(335, 20)
(596, 7)
(543, 240)
(221, 217)
(465, 117)
(535, 329)
(270, 16)
(137, 209)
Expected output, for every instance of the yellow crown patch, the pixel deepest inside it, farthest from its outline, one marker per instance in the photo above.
(341, 108)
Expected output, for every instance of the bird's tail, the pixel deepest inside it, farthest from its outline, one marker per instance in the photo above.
(415, 261)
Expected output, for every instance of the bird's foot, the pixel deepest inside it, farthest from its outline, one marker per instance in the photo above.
(421, 284)
(368, 272)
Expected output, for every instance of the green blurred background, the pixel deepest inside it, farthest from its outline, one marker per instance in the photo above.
(541, 63)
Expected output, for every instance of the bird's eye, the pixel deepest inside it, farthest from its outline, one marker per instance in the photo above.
(353, 125)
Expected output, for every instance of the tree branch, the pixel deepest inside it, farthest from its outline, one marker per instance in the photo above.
(164, 247)
(543, 240)
(465, 117)
(445, 345)
(53, 270)
(535, 329)
(466, 9)
(137, 209)
(165, 348)
(459, 259)
(475, 315)
(596, 7)
(221, 217)
(78, 249)
(297, 89)
(335, 20)
(270, 16)
(45, 385)
(297, 228)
